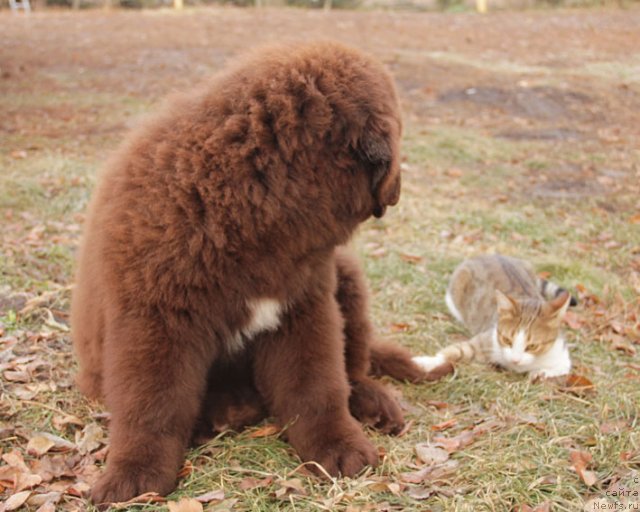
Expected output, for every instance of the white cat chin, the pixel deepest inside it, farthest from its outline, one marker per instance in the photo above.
(429, 363)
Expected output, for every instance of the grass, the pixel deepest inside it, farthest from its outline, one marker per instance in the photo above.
(465, 192)
(519, 463)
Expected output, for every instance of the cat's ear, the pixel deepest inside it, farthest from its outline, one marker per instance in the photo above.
(506, 305)
(557, 307)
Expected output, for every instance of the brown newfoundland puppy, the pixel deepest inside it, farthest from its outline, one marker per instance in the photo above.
(209, 264)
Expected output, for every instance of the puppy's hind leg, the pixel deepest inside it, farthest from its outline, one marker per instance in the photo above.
(231, 402)
(369, 401)
(87, 332)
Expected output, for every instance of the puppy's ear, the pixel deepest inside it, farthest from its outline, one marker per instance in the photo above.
(378, 152)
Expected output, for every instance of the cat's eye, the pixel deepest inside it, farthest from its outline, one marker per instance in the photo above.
(504, 340)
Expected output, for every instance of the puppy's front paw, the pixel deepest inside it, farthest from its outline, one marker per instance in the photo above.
(371, 404)
(121, 482)
(344, 453)
(349, 458)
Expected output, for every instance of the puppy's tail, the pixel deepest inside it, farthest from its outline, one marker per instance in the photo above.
(396, 361)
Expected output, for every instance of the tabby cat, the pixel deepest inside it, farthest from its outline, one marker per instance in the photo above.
(514, 318)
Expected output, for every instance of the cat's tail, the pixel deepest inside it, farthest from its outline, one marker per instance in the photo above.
(396, 361)
(551, 290)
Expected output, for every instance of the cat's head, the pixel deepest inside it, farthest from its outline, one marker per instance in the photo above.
(527, 329)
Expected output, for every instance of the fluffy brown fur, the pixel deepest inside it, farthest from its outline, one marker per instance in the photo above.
(233, 402)
(236, 193)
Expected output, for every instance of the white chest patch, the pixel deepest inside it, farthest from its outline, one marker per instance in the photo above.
(265, 316)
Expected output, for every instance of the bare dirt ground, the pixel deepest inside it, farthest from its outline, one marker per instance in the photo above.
(564, 77)
(522, 135)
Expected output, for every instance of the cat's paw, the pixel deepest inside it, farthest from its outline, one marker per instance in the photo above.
(429, 363)
(371, 404)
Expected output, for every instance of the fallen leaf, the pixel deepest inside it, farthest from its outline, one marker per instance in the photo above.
(211, 496)
(38, 500)
(439, 427)
(614, 427)
(399, 327)
(544, 480)
(88, 474)
(54, 324)
(39, 445)
(438, 405)
(47, 507)
(379, 252)
(620, 344)
(270, 429)
(430, 472)
(16, 376)
(26, 481)
(185, 505)
(580, 461)
(60, 422)
(430, 455)
(16, 501)
(51, 467)
(186, 469)
(453, 444)
(252, 483)
(287, 487)
(573, 320)
(8, 476)
(419, 493)
(79, 489)
(630, 456)
(382, 484)
(578, 385)
(91, 438)
(410, 258)
(147, 497)
(416, 477)
(15, 459)
(18, 154)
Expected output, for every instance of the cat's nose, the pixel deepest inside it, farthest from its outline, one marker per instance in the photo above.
(516, 360)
